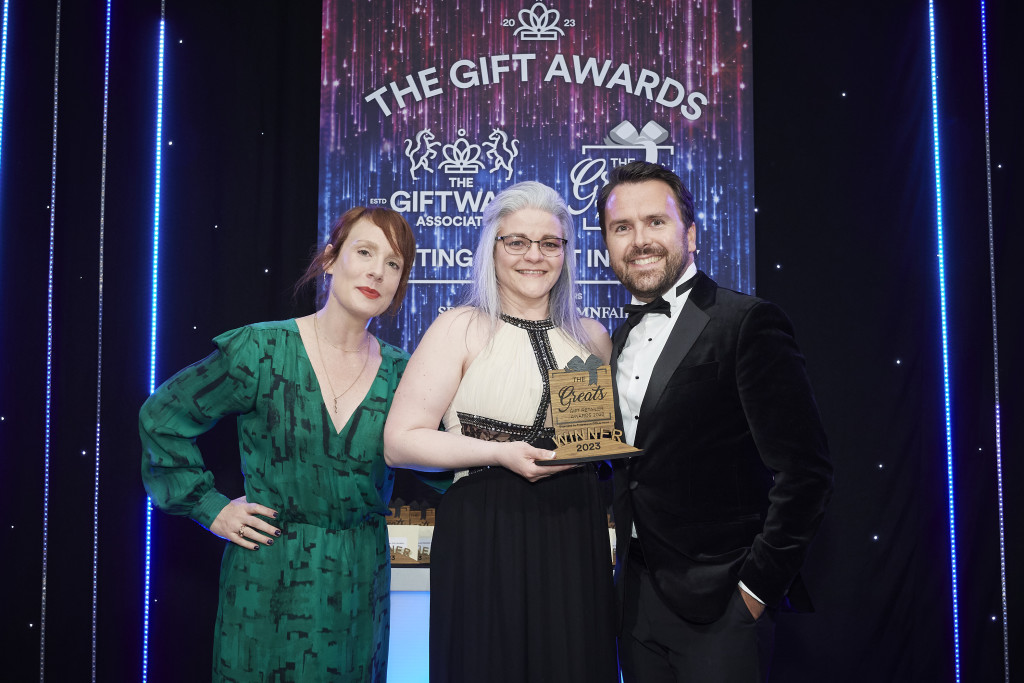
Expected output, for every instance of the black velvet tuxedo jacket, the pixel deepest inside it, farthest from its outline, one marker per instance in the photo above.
(735, 474)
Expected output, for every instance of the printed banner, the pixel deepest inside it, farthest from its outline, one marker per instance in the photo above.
(431, 108)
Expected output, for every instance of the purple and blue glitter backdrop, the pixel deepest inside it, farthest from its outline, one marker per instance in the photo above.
(432, 107)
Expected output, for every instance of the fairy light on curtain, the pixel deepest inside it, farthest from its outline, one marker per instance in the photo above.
(995, 346)
(945, 337)
(99, 346)
(153, 320)
(49, 356)
(3, 78)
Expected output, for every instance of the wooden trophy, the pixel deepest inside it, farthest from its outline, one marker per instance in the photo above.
(583, 414)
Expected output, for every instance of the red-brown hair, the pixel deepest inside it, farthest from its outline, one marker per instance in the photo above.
(397, 232)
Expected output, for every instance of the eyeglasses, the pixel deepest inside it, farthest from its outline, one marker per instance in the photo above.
(517, 245)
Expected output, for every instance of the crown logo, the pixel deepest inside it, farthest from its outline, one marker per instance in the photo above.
(539, 23)
(462, 157)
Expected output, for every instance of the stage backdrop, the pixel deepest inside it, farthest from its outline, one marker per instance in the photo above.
(432, 108)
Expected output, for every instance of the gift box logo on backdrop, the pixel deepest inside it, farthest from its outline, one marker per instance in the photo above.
(623, 144)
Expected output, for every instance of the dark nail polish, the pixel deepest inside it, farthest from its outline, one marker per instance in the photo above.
(255, 547)
(275, 515)
(277, 533)
(270, 541)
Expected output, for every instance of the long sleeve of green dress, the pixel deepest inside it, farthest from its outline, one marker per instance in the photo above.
(184, 407)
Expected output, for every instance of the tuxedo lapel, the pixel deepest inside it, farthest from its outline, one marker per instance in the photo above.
(618, 341)
(686, 331)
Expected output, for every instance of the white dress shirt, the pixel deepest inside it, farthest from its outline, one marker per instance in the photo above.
(643, 346)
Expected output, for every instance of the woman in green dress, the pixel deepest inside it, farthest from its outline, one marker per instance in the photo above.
(305, 579)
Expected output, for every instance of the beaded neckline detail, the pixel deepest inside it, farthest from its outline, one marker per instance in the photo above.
(529, 324)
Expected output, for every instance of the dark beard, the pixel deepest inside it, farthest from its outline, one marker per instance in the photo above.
(644, 288)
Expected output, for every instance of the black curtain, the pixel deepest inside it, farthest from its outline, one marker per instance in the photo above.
(846, 244)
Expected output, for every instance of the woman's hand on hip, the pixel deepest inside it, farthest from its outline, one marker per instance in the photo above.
(237, 522)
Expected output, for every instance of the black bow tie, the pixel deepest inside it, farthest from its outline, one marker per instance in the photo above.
(637, 311)
(659, 305)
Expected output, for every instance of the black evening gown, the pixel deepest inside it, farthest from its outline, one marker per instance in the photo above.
(521, 576)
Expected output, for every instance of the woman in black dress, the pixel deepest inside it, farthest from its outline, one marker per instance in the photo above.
(521, 581)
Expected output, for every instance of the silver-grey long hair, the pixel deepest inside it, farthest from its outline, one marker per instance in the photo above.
(483, 292)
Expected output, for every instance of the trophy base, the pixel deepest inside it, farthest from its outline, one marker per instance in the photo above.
(575, 459)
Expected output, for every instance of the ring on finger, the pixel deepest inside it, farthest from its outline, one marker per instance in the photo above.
(241, 531)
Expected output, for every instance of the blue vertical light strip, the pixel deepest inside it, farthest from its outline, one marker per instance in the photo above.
(3, 79)
(153, 316)
(945, 336)
(99, 347)
(145, 608)
(49, 357)
(995, 347)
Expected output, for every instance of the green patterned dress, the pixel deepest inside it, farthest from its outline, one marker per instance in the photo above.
(313, 606)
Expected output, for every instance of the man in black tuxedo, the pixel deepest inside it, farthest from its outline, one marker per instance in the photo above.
(715, 518)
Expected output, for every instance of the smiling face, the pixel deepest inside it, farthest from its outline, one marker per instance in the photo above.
(366, 271)
(526, 279)
(649, 247)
